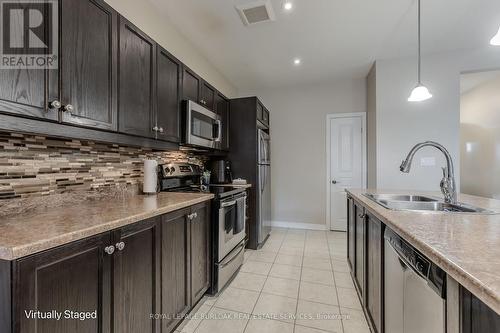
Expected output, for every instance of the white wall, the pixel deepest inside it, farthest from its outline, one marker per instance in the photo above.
(401, 124)
(480, 140)
(298, 144)
(150, 20)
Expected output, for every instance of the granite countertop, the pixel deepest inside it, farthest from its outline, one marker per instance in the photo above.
(33, 225)
(466, 246)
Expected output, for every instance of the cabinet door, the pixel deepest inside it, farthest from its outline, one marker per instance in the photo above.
(207, 96)
(88, 63)
(200, 252)
(175, 267)
(260, 111)
(136, 81)
(476, 317)
(136, 277)
(190, 86)
(168, 98)
(265, 116)
(374, 279)
(360, 249)
(74, 277)
(222, 109)
(24, 91)
(351, 234)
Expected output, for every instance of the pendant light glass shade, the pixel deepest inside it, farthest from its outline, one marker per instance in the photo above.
(420, 92)
(496, 39)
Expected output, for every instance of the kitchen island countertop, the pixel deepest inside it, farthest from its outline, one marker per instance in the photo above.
(466, 246)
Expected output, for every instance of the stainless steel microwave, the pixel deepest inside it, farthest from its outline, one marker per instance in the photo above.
(202, 127)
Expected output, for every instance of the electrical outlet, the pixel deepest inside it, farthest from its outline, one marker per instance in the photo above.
(428, 161)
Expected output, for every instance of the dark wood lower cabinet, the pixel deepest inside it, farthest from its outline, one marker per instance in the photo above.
(75, 277)
(136, 277)
(351, 234)
(477, 317)
(159, 266)
(200, 252)
(360, 249)
(374, 272)
(175, 269)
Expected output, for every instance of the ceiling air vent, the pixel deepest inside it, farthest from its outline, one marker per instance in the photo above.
(256, 12)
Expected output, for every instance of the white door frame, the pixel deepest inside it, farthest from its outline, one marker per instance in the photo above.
(328, 157)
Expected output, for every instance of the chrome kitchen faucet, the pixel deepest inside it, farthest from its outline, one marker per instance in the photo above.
(448, 185)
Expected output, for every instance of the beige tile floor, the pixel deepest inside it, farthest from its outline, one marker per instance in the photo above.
(298, 282)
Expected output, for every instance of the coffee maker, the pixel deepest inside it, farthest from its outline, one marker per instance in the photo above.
(221, 172)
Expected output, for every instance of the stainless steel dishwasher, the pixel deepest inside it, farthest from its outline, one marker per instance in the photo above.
(415, 289)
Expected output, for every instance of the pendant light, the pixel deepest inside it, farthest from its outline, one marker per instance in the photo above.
(496, 39)
(420, 92)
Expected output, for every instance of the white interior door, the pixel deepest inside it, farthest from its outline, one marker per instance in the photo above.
(346, 165)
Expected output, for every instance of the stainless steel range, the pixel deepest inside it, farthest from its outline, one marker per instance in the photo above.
(228, 218)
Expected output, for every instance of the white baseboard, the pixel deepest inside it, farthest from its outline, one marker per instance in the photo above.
(296, 225)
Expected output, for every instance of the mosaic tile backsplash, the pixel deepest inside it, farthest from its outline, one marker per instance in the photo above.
(32, 165)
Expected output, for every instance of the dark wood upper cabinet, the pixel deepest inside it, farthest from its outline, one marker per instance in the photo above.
(360, 249)
(374, 269)
(136, 277)
(200, 252)
(207, 96)
(175, 268)
(191, 84)
(71, 277)
(222, 109)
(88, 65)
(168, 100)
(351, 234)
(136, 71)
(25, 92)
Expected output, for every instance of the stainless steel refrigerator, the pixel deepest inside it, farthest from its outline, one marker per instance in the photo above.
(264, 186)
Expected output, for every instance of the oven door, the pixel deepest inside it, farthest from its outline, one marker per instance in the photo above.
(232, 219)
(203, 127)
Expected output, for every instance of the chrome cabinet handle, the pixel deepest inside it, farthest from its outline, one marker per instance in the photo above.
(68, 108)
(160, 129)
(109, 249)
(361, 216)
(56, 105)
(334, 181)
(120, 246)
(155, 129)
(192, 216)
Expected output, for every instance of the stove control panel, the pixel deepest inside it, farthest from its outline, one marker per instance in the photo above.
(174, 170)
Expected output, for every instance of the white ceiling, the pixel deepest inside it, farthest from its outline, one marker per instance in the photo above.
(334, 38)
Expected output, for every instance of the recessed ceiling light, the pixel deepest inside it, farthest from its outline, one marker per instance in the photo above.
(287, 5)
(297, 61)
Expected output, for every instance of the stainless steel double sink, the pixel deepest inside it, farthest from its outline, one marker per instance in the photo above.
(409, 202)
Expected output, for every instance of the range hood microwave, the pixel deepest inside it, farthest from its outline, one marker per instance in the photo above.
(202, 127)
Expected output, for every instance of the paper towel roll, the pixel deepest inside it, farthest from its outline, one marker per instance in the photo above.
(150, 176)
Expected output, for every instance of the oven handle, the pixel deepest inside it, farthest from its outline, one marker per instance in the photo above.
(224, 264)
(227, 204)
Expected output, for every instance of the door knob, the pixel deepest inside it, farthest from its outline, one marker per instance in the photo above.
(68, 108)
(120, 246)
(55, 105)
(109, 249)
